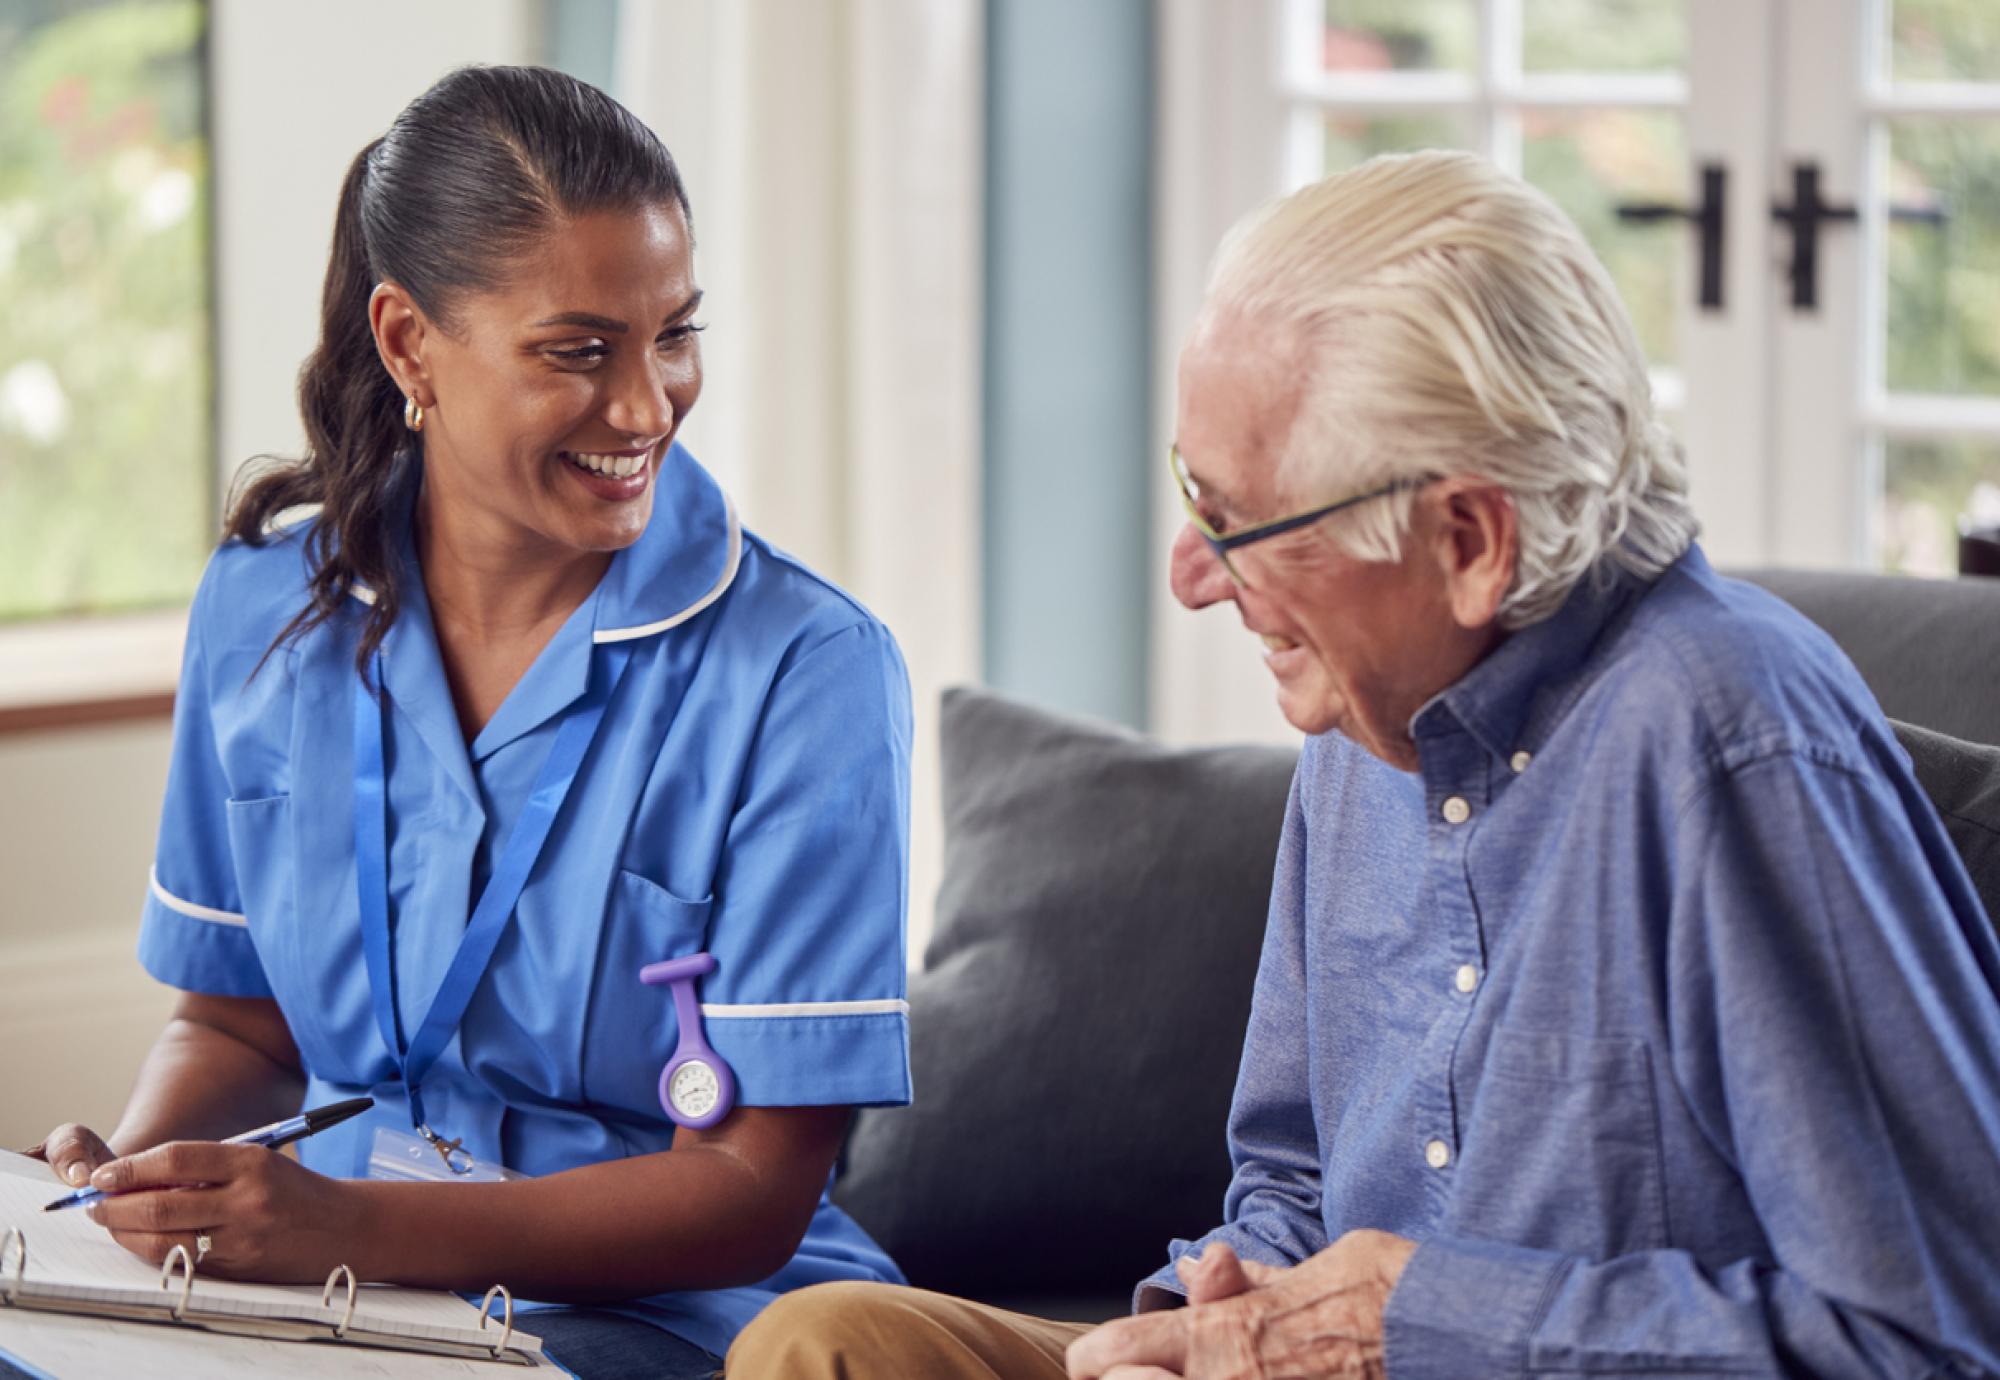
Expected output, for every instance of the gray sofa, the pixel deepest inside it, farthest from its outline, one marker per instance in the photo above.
(1076, 1026)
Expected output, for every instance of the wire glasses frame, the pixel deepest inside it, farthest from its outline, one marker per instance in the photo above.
(1222, 543)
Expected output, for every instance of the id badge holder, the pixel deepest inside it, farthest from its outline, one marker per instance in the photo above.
(405, 1156)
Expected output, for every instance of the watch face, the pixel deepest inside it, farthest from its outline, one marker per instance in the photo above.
(694, 1089)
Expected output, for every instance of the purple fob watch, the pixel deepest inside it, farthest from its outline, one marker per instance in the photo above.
(696, 1087)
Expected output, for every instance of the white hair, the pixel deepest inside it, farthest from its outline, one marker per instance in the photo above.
(1455, 323)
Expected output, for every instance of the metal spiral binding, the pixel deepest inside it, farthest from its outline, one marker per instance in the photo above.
(9, 1288)
(326, 1299)
(506, 1321)
(179, 1253)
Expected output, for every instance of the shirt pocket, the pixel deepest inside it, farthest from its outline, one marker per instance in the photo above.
(260, 848)
(264, 851)
(631, 1031)
(1561, 1147)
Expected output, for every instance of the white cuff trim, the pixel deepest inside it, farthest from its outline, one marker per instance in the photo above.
(888, 1006)
(189, 908)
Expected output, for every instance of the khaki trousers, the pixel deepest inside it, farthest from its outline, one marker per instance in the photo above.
(856, 1331)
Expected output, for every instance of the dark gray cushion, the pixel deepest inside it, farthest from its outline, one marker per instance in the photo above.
(1929, 649)
(1963, 781)
(1075, 1032)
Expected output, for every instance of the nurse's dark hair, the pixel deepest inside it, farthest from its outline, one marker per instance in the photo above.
(472, 177)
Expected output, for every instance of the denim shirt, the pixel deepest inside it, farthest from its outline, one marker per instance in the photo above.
(1655, 1006)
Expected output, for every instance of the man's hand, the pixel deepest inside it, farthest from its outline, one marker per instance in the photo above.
(1246, 1321)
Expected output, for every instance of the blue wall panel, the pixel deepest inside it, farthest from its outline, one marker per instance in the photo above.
(1067, 368)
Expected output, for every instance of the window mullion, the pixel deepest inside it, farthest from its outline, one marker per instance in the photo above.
(1499, 74)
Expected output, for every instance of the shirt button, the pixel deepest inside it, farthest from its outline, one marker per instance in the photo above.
(1456, 811)
(1468, 977)
(1519, 761)
(1437, 1154)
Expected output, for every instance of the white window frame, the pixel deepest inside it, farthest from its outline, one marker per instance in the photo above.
(1834, 398)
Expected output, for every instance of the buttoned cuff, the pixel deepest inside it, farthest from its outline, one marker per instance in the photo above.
(815, 1061)
(1466, 1307)
(199, 948)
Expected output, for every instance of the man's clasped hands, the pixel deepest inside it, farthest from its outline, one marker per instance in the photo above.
(1246, 1321)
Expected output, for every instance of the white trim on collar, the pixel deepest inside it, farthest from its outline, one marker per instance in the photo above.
(722, 583)
(728, 577)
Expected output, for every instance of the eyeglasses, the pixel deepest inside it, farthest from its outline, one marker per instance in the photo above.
(1222, 543)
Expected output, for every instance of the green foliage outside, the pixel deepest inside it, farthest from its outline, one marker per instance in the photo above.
(1944, 40)
(1603, 35)
(107, 497)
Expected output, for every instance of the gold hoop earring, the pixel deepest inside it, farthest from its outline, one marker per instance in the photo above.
(413, 415)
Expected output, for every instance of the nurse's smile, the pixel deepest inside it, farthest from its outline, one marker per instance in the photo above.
(615, 476)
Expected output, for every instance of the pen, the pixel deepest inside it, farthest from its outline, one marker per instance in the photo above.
(278, 1133)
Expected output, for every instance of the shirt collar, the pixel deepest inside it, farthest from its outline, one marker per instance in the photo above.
(1523, 687)
(683, 562)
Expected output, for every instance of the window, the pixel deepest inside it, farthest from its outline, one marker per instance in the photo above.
(1932, 127)
(1860, 428)
(107, 473)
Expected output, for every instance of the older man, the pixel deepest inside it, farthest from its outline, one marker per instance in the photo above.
(1623, 1006)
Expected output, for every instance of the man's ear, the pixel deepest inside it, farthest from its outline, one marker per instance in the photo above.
(1477, 545)
(401, 330)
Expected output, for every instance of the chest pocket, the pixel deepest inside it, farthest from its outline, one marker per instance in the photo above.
(261, 846)
(631, 1030)
(1561, 1148)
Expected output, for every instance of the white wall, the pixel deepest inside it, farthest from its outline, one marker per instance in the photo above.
(78, 810)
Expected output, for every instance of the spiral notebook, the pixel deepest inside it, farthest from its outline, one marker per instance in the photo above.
(63, 1262)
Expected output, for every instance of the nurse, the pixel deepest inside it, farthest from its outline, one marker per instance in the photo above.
(519, 712)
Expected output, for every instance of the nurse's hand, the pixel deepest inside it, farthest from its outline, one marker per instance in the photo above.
(266, 1216)
(73, 1151)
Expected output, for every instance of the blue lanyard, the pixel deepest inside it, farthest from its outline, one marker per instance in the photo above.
(496, 901)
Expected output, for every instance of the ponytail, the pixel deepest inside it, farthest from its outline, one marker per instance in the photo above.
(354, 439)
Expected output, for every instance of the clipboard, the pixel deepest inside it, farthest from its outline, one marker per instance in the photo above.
(63, 1263)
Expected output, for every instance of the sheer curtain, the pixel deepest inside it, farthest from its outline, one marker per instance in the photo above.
(832, 152)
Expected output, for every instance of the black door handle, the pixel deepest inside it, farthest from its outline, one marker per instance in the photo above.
(1707, 219)
(1808, 212)
(1805, 216)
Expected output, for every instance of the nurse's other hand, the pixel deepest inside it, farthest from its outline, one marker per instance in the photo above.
(266, 1216)
(73, 1151)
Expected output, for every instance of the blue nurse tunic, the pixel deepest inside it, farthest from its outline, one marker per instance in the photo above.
(747, 794)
